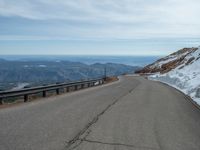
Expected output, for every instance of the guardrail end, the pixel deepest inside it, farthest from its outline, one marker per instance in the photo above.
(1, 101)
(67, 89)
(44, 93)
(26, 98)
(82, 86)
(57, 91)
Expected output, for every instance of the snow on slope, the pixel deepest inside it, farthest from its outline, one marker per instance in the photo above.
(185, 77)
(180, 70)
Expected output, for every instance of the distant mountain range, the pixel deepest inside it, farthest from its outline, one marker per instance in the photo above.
(86, 59)
(33, 73)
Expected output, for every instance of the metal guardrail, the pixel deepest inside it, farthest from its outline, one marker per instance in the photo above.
(44, 89)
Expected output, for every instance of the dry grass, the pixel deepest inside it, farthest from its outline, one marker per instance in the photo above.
(111, 79)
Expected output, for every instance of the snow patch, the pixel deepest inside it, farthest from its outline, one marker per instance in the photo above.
(26, 66)
(186, 79)
(42, 66)
(20, 86)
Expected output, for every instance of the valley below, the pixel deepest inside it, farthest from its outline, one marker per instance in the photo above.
(16, 74)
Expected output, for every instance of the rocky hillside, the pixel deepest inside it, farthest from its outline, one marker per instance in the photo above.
(178, 59)
(180, 70)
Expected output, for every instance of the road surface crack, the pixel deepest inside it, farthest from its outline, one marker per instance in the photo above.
(76, 141)
(118, 144)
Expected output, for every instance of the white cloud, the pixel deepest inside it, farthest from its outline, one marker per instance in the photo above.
(114, 18)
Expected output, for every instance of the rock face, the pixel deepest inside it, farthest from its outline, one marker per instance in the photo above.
(170, 62)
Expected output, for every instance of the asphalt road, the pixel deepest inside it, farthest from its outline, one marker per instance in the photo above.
(131, 114)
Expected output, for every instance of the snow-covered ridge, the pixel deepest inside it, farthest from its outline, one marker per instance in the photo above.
(177, 59)
(180, 70)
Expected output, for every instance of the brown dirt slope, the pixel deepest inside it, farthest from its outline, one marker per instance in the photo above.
(169, 62)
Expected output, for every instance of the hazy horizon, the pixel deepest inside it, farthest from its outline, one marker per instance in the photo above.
(142, 47)
(86, 59)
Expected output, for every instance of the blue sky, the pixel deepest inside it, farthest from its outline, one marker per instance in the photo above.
(98, 27)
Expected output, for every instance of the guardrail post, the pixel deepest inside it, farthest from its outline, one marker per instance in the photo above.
(57, 91)
(1, 101)
(44, 93)
(26, 98)
(82, 86)
(67, 89)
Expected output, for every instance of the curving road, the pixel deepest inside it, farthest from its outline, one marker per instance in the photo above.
(131, 114)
